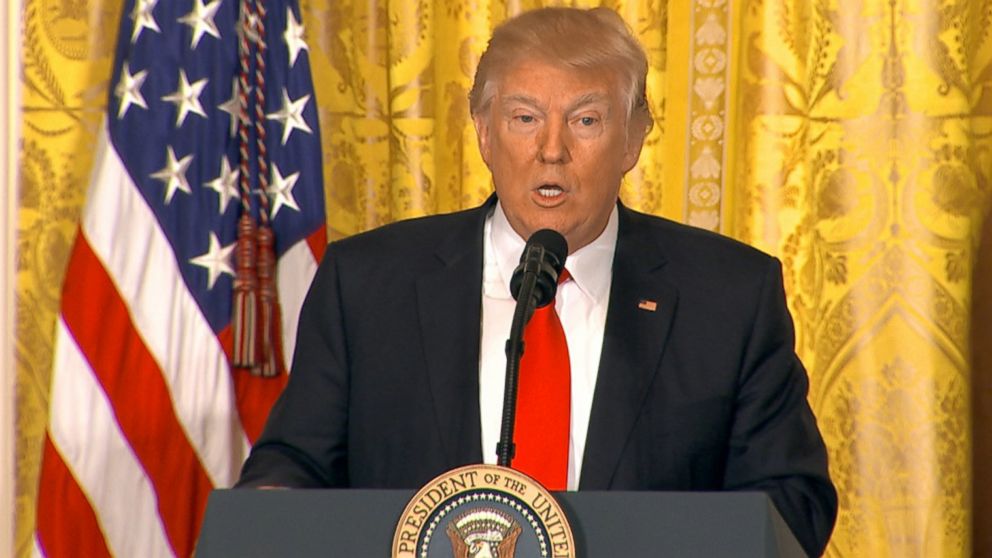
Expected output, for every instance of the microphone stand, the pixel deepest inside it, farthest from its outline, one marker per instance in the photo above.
(526, 302)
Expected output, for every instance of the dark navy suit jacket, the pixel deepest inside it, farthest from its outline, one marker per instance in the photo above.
(704, 393)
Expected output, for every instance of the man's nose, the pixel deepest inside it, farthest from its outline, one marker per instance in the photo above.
(554, 147)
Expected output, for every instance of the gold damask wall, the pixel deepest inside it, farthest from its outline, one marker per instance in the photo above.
(863, 157)
(851, 138)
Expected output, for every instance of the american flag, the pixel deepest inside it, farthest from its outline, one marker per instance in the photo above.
(211, 116)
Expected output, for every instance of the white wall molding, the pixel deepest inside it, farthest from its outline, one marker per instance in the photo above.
(10, 125)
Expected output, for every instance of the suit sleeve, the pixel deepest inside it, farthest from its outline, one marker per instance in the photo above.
(775, 445)
(304, 442)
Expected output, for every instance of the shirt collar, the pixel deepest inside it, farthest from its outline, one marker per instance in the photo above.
(591, 267)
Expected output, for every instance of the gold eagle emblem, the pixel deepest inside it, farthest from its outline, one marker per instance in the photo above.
(483, 533)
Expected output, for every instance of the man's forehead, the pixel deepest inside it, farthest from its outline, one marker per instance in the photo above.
(539, 83)
(573, 101)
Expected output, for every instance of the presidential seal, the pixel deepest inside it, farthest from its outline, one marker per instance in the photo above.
(483, 511)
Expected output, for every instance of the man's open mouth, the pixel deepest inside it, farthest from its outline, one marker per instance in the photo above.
(550, 190)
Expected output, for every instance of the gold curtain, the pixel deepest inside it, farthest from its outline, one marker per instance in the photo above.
(850, 138)
(861, 158)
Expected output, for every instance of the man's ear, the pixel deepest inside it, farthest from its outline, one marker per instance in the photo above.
(482, 134)
(635, 143)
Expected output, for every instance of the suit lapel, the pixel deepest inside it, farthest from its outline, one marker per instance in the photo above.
(449, 302)
(642, 305)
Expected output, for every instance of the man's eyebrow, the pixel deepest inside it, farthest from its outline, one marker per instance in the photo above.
(524, 99)
(583, 101)
(588, 99)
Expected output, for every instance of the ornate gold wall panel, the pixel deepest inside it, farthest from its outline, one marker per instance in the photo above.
(710, 64)
(851, 138)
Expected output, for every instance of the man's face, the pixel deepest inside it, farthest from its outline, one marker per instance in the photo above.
(556, 142)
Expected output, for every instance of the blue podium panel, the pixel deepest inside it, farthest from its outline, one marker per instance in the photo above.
(361, 523)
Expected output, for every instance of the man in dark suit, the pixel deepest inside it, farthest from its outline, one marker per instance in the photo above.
(683, 371)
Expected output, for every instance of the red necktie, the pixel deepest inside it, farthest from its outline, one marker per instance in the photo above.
(544, 400)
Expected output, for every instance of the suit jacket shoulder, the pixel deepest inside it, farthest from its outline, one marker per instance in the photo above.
(698, 250)
(418, 239)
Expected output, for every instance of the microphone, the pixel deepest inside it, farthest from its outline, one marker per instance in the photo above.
(544, 255)
(533, 285)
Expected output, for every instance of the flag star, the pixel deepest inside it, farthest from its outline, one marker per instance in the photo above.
(232, 106)
(294, 37)
(187, 98)
(280, 191)
(216, 260)
(143, 18)
(291, 115)
(225, 184)
(128, 90)
(201, 20)
(174, 174)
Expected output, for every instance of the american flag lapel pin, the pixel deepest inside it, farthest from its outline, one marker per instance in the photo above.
(649, 305)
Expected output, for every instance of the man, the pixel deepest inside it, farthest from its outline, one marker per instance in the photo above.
(683, 372)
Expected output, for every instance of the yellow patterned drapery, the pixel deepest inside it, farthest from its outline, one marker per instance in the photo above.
(863, 160)
(851, 138)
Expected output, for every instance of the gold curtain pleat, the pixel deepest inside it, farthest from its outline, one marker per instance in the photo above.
(981, 396)
(850, 138)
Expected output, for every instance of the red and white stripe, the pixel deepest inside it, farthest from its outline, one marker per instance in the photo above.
(146, 416)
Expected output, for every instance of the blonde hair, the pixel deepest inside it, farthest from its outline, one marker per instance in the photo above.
(594, 39)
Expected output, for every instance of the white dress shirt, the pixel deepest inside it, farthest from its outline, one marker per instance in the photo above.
(581, 305)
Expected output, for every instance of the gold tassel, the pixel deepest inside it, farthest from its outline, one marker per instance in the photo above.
(245, 295)
(268, 301)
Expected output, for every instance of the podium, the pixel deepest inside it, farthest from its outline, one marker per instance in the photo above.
(361, 523)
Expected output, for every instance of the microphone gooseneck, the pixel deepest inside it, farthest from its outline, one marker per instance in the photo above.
(533, 285)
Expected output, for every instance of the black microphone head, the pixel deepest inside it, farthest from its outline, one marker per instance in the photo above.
(555, 244)
(544, 255)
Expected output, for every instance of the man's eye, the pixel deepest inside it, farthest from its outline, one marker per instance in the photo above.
(587, 120)
(525, 118)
